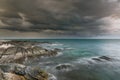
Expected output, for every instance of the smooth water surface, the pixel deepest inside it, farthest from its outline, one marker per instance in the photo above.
(79, 53)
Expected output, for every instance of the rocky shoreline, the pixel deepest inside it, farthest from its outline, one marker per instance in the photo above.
(21, 72)
(18, 51)
(14, 52)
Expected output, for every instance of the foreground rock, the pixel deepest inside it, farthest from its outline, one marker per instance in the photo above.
(35, 74)
(17, 52)
(21, 72)
(11, 76)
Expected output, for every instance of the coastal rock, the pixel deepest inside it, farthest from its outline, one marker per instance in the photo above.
(63, 66)
(11, 76)
(21, 51)
(21, 72)
(35, 74)
(19, 42)
(105, 58)
(97, 59)
(1, 75)
(57, 49)
(12, 68)
(102, 58)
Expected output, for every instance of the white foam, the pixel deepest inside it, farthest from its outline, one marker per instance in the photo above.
(68, 48)
(51, 44)
(52, 77)
(59, 53)
(87, 60)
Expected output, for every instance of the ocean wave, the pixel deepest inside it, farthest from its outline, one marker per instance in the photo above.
(56, 44)
(50, 44)
(48, 62)
(68, 48)
(83, 61)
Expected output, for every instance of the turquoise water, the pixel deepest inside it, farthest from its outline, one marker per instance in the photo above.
(79, 53)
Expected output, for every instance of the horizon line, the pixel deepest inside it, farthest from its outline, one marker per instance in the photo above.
(60, 38)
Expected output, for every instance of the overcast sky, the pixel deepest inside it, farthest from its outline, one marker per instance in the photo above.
(59, 18)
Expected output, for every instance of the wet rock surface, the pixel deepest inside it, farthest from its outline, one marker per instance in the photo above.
(63, 66)
(105, 58)
(19, 51)
(102, 58)
(97, 59)
(35, 74)
(21, 72)
(13, 52)
(12, 67)
(57, 49)
(11, 76)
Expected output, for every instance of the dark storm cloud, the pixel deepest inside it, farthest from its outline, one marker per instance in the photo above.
(58, 17)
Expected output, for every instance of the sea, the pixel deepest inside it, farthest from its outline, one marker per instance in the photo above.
(82, 59)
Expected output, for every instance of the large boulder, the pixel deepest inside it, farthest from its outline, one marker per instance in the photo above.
(11, 76)
(35, 74)
(12, 67)
(21, 72)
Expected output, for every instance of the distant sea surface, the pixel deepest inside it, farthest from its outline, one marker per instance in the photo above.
(79, 53)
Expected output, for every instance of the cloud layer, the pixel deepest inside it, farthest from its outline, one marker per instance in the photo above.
(77, 18)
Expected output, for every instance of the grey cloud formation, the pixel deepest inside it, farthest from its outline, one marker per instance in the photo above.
(58, 17)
